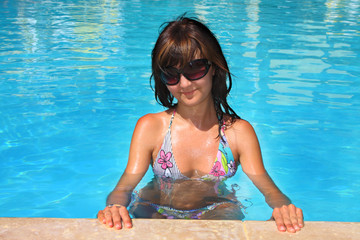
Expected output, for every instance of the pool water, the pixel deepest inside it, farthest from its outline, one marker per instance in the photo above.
(75, 78)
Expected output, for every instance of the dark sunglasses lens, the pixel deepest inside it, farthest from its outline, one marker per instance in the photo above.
(169, 79)
(196, 69)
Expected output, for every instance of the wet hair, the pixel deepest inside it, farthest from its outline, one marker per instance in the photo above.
(179, 42)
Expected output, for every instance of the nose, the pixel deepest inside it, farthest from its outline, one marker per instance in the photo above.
(184, 82)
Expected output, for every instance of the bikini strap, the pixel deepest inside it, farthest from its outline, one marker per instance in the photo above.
(172, 118)
(223, 127)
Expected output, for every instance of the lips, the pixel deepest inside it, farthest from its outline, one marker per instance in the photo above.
(187, 93)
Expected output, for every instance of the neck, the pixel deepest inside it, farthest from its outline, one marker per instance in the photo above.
(202, 116)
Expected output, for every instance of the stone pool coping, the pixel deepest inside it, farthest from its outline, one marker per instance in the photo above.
(60, 228)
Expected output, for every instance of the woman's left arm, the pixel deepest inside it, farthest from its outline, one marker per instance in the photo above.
(286, 215)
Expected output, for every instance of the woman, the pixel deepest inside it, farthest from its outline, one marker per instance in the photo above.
(195, 145)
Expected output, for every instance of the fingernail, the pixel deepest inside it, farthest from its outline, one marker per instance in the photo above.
(118, 226)
(128, 225)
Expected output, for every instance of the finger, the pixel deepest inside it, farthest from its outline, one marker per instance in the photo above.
(125, 217)
(286, 217)
(116, 218)
(279, 220)
(101, 217)
(108, 217)
(300, 217)
(293, 217)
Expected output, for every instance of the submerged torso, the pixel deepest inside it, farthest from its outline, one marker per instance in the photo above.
(171, 187)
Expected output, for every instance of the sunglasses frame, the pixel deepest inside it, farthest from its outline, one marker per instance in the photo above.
(206, 62)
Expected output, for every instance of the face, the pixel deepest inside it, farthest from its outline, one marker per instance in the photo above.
(192, 92)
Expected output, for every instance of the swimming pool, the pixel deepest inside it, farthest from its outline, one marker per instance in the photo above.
(75, 78)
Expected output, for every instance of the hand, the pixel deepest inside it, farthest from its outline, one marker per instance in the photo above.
(288, 217)
(114, 215)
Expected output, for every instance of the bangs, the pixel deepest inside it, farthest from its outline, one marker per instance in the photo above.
(179, 51)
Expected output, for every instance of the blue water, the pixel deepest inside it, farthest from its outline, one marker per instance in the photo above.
(75, 78)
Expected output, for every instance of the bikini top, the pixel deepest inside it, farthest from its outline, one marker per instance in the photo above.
(165, 165)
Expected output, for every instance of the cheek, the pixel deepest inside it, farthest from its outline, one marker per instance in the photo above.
(210, 80)
(171, 89)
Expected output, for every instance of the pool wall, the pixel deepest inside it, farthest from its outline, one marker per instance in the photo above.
(59, 228)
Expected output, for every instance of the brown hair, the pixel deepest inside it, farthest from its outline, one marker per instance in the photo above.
(178, 43)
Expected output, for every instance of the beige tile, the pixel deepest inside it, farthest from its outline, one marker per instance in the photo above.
(50, 228)
(57, 228)
(312, 230)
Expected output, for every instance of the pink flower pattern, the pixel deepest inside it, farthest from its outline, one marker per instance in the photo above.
(164, 160)
(216, 170)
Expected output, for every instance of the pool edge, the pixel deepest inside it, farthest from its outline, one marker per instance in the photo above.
(81, 228)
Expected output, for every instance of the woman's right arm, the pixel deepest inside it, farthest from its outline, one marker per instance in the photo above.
(141, 148)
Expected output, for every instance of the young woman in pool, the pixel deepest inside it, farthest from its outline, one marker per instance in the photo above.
(195, 145)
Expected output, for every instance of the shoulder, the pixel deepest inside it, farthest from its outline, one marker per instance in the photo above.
(241, 135)
(248, 147)
(243, 126)
(238, 126)
(243, 130)
(154, 120)
(152, 124)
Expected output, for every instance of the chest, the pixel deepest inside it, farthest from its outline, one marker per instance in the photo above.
(194, 151)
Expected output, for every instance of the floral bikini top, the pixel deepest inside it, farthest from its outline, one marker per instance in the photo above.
(165, 165)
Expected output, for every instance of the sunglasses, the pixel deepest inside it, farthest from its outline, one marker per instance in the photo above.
(193, 70)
